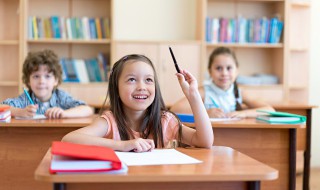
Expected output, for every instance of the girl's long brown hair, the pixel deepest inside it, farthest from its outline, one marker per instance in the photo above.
(151, 124)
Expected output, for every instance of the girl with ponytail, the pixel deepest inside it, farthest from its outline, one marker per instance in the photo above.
(221, 95)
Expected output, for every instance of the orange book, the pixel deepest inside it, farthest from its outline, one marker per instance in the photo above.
(98, 27)
(70, 157)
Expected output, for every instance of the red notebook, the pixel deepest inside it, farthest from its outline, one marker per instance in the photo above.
(70, 157)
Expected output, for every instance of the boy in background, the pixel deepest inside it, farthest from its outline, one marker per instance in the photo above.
(42, 74)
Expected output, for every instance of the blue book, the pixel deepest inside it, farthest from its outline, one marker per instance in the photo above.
(64, 70)
(71, 71)
(55, 27)
(186, 118)
(93, 63)
(92, 27)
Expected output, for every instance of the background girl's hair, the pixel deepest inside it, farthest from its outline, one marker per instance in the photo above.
(221, 51)
(227, 51)
(151, 124)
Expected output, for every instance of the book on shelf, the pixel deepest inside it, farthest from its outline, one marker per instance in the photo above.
(81, 70)
(85, 70)
(93, 70)
(70, 157)
(71, 75)
(280, 117)
(60, 27)
(243, 30)
(104, 65)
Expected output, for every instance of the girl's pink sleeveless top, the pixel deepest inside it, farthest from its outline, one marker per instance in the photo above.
(170, 127)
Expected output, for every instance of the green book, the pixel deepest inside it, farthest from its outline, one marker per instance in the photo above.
(280, 117)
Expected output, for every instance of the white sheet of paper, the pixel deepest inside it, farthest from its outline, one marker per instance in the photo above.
(224, 119)
(38, 116)
(156, 157)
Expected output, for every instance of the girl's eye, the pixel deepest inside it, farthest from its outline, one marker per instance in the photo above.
(219, 68)
(229, 68)
(131, 79)
(149, 80)
(35, 76)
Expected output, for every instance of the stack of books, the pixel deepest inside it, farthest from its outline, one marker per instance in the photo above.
(5, 113)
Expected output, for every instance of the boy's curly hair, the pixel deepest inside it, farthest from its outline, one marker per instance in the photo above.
(35, 59)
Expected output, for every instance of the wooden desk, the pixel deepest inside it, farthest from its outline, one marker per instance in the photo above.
(222, 168)
(274, 145)
(23, 144)
(303, 135)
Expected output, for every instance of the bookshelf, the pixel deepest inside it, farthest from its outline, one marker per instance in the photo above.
(71, 48)
(183, 27)
(287, 59)
(9, 48)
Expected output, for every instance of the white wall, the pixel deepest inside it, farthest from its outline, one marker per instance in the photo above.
(315, 82)
(178, 18)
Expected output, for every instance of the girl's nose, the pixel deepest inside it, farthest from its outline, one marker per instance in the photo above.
(224, 71)
(141, 86)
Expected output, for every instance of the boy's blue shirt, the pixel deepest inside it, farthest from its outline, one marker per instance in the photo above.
(59, 98)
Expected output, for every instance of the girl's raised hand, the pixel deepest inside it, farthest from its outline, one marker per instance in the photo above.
(137, 145)
(187, 82)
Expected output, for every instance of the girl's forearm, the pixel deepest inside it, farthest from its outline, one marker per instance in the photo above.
(79, 138)
(204, 134)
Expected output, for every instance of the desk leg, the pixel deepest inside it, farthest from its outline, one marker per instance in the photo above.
(59, 186)
(254, 185)
(307, 152)
(292, 159)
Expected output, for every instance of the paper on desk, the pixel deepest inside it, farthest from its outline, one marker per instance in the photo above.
(224, 119)
(38, 116)
(156, 157)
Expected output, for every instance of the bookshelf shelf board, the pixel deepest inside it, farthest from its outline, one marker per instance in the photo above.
(160, 41)
(298, 49)
(274, 86)
(9, 83)
(62, 41)
(296, 87)
(246, 45)
(305, 4)
(9, 42)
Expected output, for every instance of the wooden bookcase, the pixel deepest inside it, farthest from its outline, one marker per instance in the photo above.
(10, 44)
(288, 59)
(75, 48)
(145, 29)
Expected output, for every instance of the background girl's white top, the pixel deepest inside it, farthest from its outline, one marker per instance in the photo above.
(225, 100)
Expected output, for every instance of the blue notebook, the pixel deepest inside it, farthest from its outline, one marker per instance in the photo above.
(187, 118)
